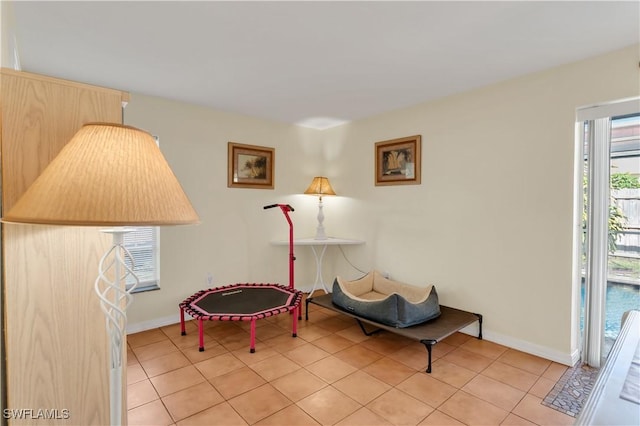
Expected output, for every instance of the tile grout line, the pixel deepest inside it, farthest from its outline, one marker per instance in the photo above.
(379, 352)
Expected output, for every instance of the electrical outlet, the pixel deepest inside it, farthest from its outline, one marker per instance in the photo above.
(386, 274)
(209, 279)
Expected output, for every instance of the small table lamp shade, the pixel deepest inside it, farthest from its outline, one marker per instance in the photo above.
(320, 186)
(107, 175)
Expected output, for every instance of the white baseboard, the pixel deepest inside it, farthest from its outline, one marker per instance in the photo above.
(569, 359)
(154, 323)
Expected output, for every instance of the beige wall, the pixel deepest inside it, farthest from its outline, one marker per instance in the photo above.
(8, 46)
(233, 242)
(490, 226)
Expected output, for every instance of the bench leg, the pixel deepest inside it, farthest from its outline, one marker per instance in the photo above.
(428, 344)
(306, 309)
(479, 325)
(364, 330)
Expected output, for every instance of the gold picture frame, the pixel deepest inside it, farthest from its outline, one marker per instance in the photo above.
(398, 161)
(250, 166)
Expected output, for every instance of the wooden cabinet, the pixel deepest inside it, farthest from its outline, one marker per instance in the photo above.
(55, 338)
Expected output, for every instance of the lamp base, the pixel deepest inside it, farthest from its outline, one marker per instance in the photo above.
(320, 235)
(114, 300)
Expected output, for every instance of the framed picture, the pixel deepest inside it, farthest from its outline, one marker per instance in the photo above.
(250, 166)
(398, 161)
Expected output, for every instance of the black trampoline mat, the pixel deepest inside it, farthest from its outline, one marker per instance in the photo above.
(242, 300)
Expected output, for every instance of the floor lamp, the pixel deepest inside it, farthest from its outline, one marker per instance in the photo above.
(320, 186)
(114, 176)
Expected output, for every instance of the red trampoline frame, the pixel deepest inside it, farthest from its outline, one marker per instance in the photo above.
(292, 304)
(190, 306)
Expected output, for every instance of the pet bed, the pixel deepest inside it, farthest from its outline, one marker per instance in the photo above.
(385, 301)
(428, 333)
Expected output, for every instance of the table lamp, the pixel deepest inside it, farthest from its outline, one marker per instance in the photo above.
(320, 186)
(108, 175)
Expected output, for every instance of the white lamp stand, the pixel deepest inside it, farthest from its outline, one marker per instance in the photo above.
(114, 301)
(320, 235)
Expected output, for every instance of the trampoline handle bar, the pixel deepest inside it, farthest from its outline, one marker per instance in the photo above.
(286, 208)
(279, 205)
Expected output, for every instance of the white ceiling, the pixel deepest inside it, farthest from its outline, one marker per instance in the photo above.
(322, 61)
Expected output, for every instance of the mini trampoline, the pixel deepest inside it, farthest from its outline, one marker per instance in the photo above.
(241, 302)
(248, 301)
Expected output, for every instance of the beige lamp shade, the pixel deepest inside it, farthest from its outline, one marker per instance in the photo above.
(320, 186)
(107, 175)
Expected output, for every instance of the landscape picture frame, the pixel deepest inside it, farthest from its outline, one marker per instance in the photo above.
(398, 161)
(250, 166)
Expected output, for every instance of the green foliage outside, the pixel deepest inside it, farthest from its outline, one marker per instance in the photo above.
(617, 220)
(624, 181)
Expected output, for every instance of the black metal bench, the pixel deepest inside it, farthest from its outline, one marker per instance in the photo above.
(428, 333)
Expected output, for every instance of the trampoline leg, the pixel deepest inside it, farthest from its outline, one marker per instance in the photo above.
(253, 336)
(183, 332)
(201, 335)
(294, 322)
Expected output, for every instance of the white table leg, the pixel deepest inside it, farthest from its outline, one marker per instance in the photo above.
(319, 256)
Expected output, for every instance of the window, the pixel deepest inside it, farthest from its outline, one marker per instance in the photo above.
(143, 244)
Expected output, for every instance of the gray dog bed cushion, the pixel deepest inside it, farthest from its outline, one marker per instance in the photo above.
(388, 302)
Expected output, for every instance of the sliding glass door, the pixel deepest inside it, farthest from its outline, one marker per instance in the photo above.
(610, 253)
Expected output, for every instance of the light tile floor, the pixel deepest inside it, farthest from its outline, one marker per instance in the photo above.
(331, 374)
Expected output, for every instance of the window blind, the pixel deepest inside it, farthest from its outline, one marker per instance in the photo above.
(143, 244)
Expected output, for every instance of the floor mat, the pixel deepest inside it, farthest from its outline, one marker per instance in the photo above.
(571, 391)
